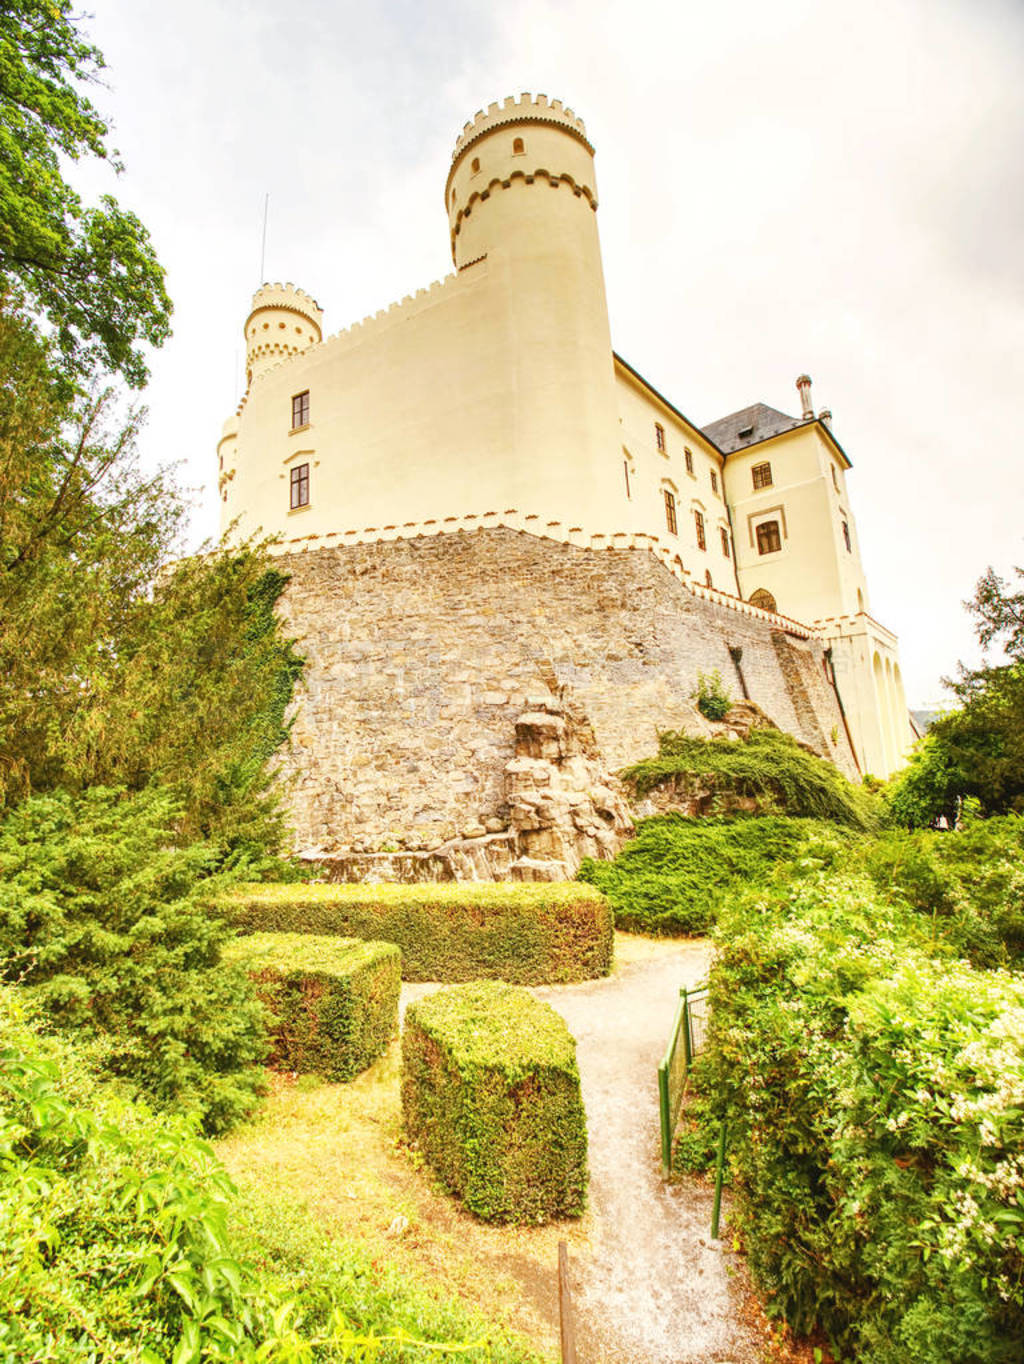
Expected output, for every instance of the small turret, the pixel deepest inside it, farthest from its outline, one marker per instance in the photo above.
(283, 321)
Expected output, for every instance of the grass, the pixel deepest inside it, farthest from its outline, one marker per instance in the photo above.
(336, 1152)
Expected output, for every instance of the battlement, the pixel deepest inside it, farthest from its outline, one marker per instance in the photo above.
(527, 109)
(290, 297)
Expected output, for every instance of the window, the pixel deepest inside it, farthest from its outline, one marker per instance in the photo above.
(745, 432)
(670, 512)
(300, 486)
(688, 456)
(659, 436)
(517, 147)
(625, 470)
(725, 540)
(714, 481)
(698, 521)
(476, 165)
(768, 538)
(707, 577)
(300, 410)
(835, 480)
(846, 537)
(762, 475)
(763, 599)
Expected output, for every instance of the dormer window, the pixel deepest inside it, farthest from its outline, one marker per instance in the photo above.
(745, 432)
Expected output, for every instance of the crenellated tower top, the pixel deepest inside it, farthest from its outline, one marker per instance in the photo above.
(526, 109)
(517, 142)
(282, 321)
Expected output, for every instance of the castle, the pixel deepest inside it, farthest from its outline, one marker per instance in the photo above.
(486, 511)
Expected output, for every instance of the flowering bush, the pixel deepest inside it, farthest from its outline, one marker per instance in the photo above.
(875, 1098)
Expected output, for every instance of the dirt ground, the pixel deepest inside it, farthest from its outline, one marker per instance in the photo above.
(649, 1284)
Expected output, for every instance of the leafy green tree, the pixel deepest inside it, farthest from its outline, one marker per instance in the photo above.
(977, 750)
(116, 669)
(91, 271)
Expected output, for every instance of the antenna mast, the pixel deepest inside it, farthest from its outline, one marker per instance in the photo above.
(263, 247)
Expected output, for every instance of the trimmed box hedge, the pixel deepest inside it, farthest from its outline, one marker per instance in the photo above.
(528, 933)
(334, 1000)
(491, 1094)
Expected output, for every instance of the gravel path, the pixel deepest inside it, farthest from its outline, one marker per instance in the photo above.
(655, 1289)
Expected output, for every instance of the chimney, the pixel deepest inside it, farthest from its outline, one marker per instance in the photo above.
(803, 387)
(825, 417)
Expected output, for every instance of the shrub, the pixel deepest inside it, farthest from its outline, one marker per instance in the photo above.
(672, 877)
(103, 916)
(334, 1001)
(122, 1239)
(970, 883)
(491, 1092)
(713, 701)
(530, 933)
(769, 766)
(875, 1099)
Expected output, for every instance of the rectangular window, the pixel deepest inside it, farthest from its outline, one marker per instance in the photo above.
(670, 512)
(698, 521)
(300, 486)
(300, 410)
(768, 538)
(688, 456)
(846, 537)
(659, 436)
(714, 481)
(762, 475)
(625, 470)
(725, 540)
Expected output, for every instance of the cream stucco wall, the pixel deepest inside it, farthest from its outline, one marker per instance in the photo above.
(494, 397)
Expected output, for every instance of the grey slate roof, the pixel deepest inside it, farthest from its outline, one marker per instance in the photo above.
(766, 421)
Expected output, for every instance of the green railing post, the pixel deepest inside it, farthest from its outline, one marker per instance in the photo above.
(687, 1040)
(666, 1121)
(719, 1174)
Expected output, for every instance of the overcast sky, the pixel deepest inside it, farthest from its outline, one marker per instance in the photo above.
(785, 186)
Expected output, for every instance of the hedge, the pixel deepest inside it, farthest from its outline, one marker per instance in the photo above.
(334, 1001)
(874, 1091)
(529, 933)
(491, 1093)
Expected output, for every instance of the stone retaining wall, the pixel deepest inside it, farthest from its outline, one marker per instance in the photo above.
(423, 654)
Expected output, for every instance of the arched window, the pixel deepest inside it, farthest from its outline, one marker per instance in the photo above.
(763, 600)
(476, 165)
(707, 577)
(517, 147)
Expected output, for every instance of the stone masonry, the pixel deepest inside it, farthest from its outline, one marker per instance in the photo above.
(481, 686)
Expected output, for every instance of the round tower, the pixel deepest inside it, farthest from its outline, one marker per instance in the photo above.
(283, 321)
(522, 194)
(532, 140)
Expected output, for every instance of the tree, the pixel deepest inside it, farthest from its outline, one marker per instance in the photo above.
(90, 271)
(977, 750)
(118, 667)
